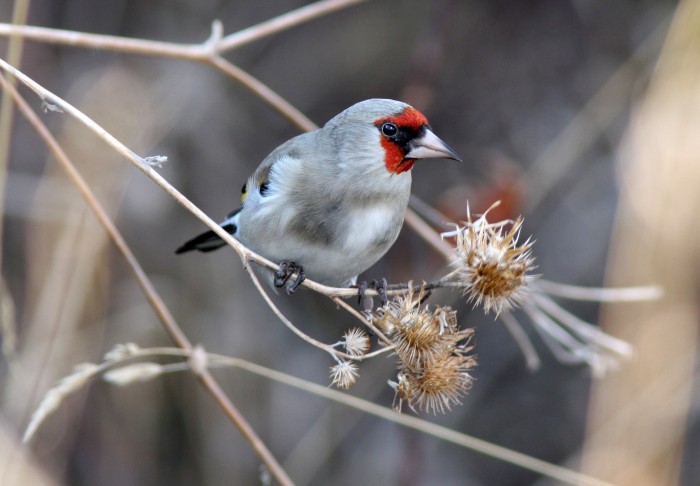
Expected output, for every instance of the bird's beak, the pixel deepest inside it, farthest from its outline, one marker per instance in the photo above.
(429, 146)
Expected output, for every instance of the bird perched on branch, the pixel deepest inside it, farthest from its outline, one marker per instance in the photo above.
(330, 203)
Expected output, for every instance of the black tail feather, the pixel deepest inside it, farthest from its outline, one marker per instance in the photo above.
(207, 241)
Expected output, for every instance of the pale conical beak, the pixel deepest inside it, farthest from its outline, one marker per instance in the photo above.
(429, 146)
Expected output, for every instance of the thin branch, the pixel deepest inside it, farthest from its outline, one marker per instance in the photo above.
(282, 22)
(151, 294)
(364, 320)
(428, 234)
(532, 360)
(207, 52)
(325, 347)
(443, 433)
(582, 328)
(590, 121)
(14, 56)
(285, 108)
(623, 294)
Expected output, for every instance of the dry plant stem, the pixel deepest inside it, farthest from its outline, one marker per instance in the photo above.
(207, 52)
(282, 22)
(14, 55)
(151, 294)
(325, 347)
(553, 471)
(443, 433)
(429, 213)
(216, 44)
(428, 234)
(364, 320)
(532, 360)
(161, 310)
(590, 122)
(276, 101)
(623, 294)
(580, 327)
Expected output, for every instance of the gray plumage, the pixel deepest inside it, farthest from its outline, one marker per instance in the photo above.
(326, 199)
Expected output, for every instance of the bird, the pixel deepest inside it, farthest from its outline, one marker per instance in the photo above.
(329, 203)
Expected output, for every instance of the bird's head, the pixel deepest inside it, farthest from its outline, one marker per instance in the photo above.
(403, 133)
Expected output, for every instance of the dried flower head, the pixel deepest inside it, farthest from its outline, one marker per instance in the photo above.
(121, 351)
(344, 374)
(432, 353)
(441, 384)
(137, 372)
(492, 267)
(81, 375)
(356, 342)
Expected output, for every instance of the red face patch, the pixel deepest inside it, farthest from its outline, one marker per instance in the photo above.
(394, 160)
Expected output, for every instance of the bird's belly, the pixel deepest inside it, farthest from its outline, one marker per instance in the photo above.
(362, 238)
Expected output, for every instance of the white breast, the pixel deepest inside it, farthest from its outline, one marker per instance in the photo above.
(364, 227)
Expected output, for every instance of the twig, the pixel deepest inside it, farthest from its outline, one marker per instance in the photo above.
(558, 158)
(208, 52)
(14, 55)
(428, 234)
(478, 445)
(282, 22)
(325, 347)
(151, 294)
(623, 294)
(532, 360)
(363, 319)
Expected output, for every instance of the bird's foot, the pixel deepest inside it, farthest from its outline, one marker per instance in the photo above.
(284, 274)
(366, 301)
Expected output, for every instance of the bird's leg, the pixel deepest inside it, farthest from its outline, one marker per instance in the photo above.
(285, 272)
(297, 281)
(361, 289)
(378, 285)
(425, 297)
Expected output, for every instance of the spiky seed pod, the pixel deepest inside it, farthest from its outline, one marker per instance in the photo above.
(344, 374)
(432, 354)
(356, 342)
(440, 385)
(493, 268)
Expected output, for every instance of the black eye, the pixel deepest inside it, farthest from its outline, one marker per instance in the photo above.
(389, 129)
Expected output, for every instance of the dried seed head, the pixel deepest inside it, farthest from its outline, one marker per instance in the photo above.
(441, 384)
(344, 374)
(356, 342)
(492, 267)
(432, 352)
(400, 312)
(133, 373)
(121, 351)
(81, 375)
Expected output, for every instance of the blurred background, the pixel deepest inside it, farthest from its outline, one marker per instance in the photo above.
(580, 115)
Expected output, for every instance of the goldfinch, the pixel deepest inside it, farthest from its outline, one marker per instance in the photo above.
(330, 203)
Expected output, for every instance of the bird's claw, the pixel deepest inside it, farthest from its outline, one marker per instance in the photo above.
(285, 272)
(378, 285)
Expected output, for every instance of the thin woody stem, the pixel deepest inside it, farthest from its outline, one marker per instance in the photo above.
(159, 307)
(325, 347)
(208, 52)
(282, 22)
(365, 321)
